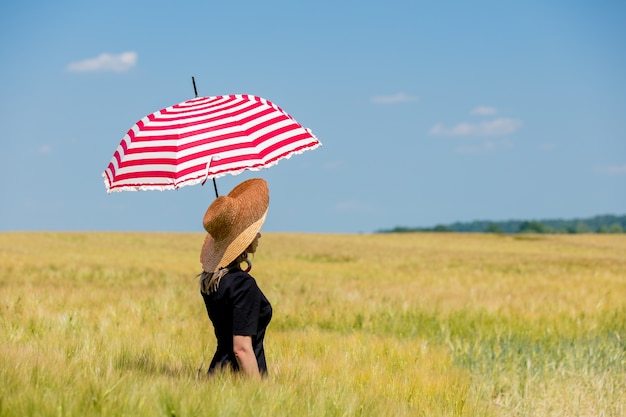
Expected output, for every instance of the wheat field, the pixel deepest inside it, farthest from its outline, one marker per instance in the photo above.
(112, 324)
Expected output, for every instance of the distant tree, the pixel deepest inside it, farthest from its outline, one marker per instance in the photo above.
(400, 229)
(582, 227)
(599, 224)
(614, 228)
(532, 227)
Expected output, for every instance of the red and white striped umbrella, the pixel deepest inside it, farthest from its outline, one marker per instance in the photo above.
(205, 137)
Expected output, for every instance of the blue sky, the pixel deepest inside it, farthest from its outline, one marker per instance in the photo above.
(429, 112)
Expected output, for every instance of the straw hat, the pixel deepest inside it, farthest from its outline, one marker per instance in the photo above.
(232, 223)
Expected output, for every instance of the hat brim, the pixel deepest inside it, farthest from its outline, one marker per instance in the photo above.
(214, 258)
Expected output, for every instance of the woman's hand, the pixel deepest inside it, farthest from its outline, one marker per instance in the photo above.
(242, 347)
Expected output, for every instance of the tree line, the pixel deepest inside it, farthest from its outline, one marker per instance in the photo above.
(597, 224)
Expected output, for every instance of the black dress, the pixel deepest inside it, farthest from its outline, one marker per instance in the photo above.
(237, 308)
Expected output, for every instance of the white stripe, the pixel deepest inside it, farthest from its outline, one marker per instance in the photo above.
(145, 168)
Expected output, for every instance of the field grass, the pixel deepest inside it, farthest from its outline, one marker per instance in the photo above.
(112, 324)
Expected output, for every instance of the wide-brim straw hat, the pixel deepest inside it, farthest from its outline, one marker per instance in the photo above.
(232, 223)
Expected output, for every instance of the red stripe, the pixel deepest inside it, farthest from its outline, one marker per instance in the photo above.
(216, 150)
(231, 147)
(212, 128)
(148, 161)
(211, 107)
(269, 161)
(161, 174)
(151, 149)
(241, 106)
(202, 166)
(217, 138)
(145, 174)
(206, 103)
(258, 155)
(232, 135)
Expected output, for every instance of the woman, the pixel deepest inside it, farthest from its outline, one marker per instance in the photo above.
(238, 309)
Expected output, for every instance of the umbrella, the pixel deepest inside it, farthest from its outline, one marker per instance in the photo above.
(205, 137)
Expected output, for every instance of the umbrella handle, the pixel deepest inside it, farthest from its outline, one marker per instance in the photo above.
(215, 188)
(206, 176)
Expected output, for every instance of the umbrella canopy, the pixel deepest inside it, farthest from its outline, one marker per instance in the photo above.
(205, 137)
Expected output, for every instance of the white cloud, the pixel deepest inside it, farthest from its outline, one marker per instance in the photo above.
(484, 111)
(394, 99)
(487, 146)
(547, 147)
(105, 62)
(496, 127)
(616, 170)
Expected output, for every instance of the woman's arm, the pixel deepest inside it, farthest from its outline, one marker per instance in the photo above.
(242, 347)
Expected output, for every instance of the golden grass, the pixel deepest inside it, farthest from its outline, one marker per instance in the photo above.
(402, 325)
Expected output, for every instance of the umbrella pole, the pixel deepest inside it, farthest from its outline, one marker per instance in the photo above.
(195, 91)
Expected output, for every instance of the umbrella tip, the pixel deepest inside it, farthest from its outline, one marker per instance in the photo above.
(195, 90)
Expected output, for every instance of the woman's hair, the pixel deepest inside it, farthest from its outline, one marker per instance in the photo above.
(210, 281)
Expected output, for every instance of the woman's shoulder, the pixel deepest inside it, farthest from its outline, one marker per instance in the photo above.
(239, 277)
